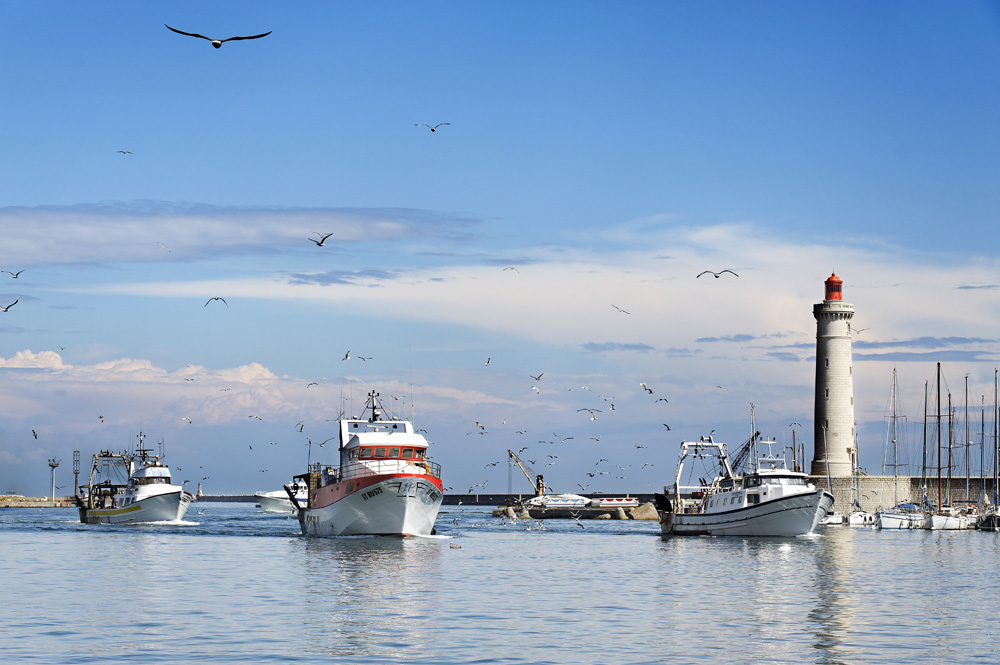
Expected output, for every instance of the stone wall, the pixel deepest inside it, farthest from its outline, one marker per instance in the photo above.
(878, 491)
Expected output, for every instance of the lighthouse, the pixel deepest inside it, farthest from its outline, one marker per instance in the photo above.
(834, 412)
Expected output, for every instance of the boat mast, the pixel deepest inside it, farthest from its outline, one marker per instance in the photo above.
(938, 409)
(923, 467)
(996, 436)
(968, 489)
(895, 458)
(951, 446)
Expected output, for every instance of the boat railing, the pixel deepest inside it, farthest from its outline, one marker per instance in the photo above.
(370, 468)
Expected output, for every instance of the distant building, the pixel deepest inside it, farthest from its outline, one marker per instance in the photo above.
(834, 411)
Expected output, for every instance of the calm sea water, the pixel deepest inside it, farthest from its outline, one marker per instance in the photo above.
(234, 585)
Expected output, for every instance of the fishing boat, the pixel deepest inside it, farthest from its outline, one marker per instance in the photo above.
(384, 484)
(131, 488)
(279, 501)
(767, 500)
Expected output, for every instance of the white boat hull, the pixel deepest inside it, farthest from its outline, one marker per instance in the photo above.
(395, 506)
(278, 502)
(794, 515)
(860, 518)
(165, 507)
(898, 520)
(938, 522)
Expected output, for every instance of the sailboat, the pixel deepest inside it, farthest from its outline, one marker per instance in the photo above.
(857, 517)
(990, 520)
(945, 517)
(902, 515)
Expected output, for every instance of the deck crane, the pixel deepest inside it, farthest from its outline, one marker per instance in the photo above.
(534, 478)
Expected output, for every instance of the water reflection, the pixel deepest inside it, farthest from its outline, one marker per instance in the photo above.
(832, 618)
(368, 597)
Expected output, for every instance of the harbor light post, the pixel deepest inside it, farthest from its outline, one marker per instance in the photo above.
(53, 463)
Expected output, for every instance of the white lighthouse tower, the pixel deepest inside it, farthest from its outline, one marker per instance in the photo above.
(834, 412)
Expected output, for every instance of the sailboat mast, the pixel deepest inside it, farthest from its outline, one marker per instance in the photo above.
(996, 435)
(951, 444)
(968, 490)
(937, 407)
(923, 467)
(895, 457)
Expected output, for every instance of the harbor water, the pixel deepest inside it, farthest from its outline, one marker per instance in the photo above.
(234, 585)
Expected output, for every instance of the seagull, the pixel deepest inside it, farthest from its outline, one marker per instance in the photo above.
(716, 274)
(620, 309)
(162, 245)
(488, 361)
(667, 426)
(217, 43)
(124, 152)
(512, 268)
(322, 239)
(254, 416)
(311, 383)
(434, 128)
(537, 378)
(15, 274)
(216, 298)
(364, 358)
(662, 399)
(347, 356)
(647, 389)
(2, 308)
(34, 433)
(187, 419)
(562, 439)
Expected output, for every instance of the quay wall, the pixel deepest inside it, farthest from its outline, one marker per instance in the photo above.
(878, 491)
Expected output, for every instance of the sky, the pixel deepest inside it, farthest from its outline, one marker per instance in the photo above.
(598, 157)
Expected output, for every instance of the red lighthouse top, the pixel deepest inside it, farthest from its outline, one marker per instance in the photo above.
(833, 287)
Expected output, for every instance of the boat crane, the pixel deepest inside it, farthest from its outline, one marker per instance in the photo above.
(536, 482)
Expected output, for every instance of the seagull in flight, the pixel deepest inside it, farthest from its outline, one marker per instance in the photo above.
(15, 274)
(537, 378)
(434, 128)
(216, 298)
(322, 239)
(620, 309)
(124, 152)
(347, 356)
(217, 43)
(4, 309)
(162, 245)
(512, 268)
(647, 389)
(716, 274)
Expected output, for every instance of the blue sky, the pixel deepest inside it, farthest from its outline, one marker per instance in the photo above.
(605, 153)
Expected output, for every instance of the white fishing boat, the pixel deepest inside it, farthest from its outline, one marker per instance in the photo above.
(279, 501)
(131, 488)
(384, 485)
(558, 501)
(768, 500)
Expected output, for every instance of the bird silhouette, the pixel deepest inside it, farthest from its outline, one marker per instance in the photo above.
(647, 389)
(124, 152)
(216, 298)
(620, 309)
(434, 128)
(322, 239)
(537, 378)
(15, 274)
(217, 43)
(4, 309)
(716, 274)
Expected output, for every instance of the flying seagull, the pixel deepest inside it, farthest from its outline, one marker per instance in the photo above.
(322, 239)
(216, 298)
(124, 152)
(434, 128)
(716, 274)
(4, 309)
(537, 378)
(620, 309)
(217, 43)
(15, 274)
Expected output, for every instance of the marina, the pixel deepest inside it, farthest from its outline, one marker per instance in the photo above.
(612, 592)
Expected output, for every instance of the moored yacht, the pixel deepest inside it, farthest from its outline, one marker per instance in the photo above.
(768, 500)
(146, 495)
(384, 485)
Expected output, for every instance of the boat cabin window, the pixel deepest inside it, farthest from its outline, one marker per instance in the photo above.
(387, 453)
(152, 481)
